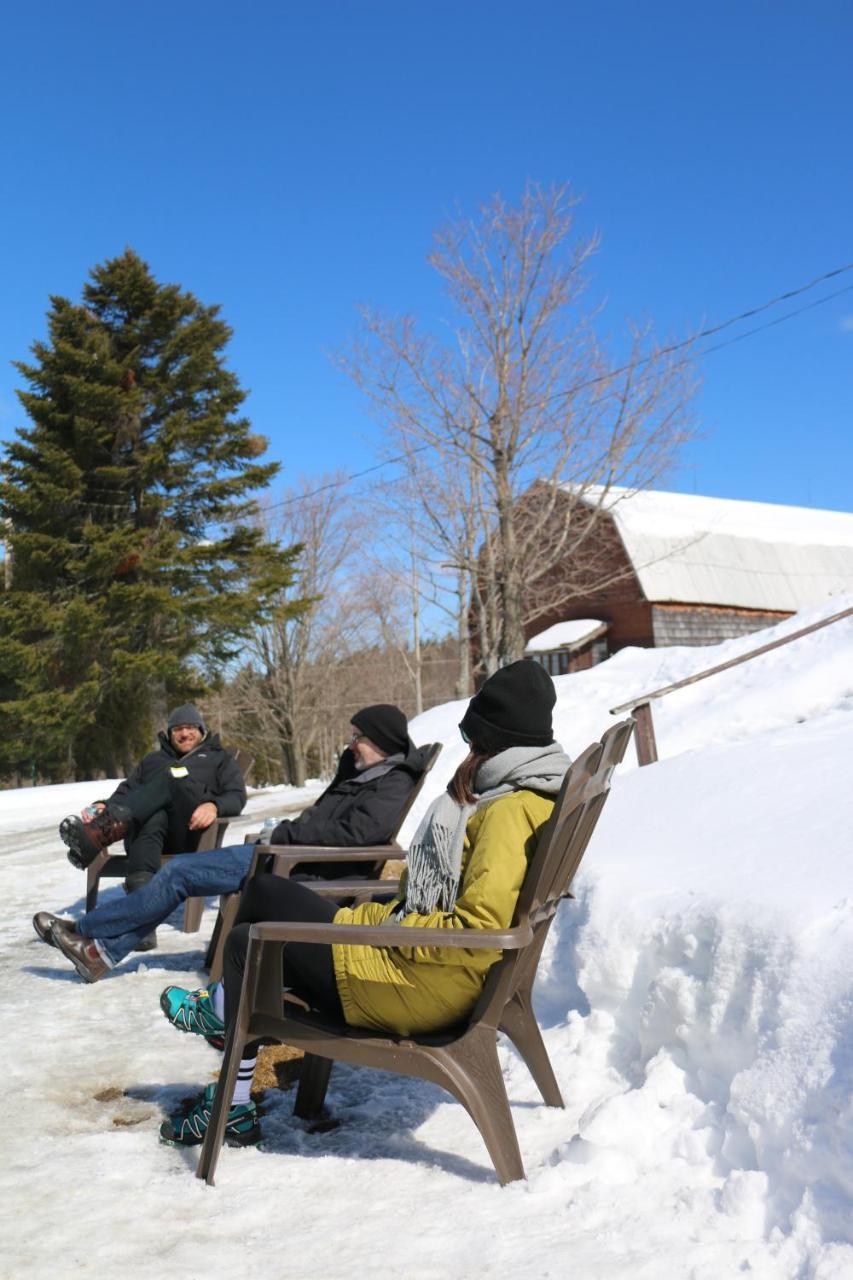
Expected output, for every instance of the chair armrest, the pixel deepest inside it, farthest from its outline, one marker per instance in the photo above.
(352, 888)
(333, 852)
(287, 857)
(210, 837)
(392, 935)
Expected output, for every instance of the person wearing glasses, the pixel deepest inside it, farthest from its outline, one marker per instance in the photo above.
(464, 870)
(361, 806)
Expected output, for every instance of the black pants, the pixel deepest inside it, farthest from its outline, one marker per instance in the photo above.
(161, 811)
(308, 967)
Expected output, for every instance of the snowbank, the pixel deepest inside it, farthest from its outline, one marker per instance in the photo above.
(696, 1000)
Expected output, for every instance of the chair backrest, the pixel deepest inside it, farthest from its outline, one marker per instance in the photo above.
(431, 751)
(557, 856)
(244, 759)
(566, 837)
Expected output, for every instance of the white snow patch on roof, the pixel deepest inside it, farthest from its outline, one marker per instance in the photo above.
(565, 635)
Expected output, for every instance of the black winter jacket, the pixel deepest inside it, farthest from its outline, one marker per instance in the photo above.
(353, 811)
(209, 765)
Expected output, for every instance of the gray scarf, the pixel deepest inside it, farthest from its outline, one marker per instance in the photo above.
(434, 860)
(378, 770)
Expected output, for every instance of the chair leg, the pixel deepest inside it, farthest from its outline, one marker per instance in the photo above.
(473, 1075)
(93, 878)
(519, 1023)
(235, 1043)
(193, 912)
(224, 922)
(91, 891)
(214, 939)
(212, 1144)
(313, 1083)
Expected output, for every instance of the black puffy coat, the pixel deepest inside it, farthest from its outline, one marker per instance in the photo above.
(211, 768)
(353, 810)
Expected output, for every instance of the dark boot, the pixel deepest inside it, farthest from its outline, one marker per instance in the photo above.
(85, 840)
(44, 923)
(82, 953)
(138, 880)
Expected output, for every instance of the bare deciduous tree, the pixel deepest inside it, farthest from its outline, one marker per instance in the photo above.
(355, 643)
(284, 690)
(522, 424)
(429, 508)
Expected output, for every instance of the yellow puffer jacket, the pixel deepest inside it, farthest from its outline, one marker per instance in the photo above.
(413, 989)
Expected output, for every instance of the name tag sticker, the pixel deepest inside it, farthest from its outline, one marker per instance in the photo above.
(178, 771)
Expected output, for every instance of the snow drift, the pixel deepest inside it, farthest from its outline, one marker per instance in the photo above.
(696, 1000)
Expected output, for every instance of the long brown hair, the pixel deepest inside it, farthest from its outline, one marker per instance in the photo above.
(461, 785)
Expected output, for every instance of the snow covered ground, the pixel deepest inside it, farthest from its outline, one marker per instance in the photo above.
(697, 1003)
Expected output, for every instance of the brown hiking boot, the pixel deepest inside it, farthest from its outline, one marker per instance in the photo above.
(44, 924)
(85, 840)
(82, 953)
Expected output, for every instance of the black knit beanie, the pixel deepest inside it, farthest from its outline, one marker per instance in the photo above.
(512, 709)
(188, 714)
(385, 726)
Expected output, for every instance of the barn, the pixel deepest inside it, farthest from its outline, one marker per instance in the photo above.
(679, 568)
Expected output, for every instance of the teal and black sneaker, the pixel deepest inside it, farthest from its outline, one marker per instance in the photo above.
(193, 1011)
(241, 1128)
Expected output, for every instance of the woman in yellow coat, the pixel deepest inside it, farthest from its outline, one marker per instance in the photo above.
(465, 868)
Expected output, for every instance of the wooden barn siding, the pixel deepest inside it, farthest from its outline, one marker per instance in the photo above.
(623, 604)
(706, 624)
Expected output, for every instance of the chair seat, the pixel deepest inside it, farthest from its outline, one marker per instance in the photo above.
(312, 1023)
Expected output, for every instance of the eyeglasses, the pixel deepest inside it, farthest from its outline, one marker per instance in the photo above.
(465, 737)
(355, 737)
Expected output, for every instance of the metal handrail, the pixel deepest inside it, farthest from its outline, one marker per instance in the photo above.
(641, 711)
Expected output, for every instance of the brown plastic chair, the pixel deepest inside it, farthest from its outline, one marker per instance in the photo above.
(107, 864)
(283, 859)
(462, 1059)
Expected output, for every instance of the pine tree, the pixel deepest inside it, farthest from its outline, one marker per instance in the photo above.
(136, 564)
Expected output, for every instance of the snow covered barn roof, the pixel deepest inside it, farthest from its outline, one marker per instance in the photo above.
(750, 555)
(566, 635)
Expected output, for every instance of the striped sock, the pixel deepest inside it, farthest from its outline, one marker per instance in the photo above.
(216, 995)
(243, 1087)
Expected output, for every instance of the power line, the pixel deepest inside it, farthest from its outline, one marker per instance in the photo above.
(789, 315)
(718, 328)
(607, 377)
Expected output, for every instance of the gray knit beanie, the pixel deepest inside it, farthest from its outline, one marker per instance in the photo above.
(187, 714)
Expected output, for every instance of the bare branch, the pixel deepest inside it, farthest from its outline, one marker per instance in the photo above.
(512, 424)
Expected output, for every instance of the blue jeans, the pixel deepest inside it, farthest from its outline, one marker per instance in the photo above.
(119, 927)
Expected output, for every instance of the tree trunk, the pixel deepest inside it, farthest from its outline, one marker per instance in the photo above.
(463, 641)
(293, 762)
(510, 586)
(416, 642)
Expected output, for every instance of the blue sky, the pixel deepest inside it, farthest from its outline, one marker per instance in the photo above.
(290, 161)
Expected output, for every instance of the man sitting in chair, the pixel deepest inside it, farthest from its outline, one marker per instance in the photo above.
(170, 798)
(361, 806)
